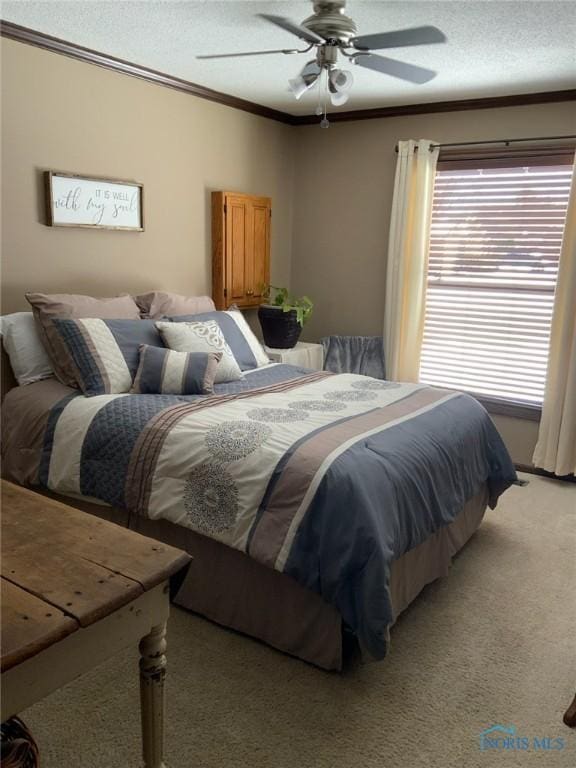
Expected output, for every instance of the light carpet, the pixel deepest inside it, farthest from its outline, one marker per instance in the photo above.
(495, 642)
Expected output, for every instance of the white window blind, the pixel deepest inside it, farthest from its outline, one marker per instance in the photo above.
(495, 242)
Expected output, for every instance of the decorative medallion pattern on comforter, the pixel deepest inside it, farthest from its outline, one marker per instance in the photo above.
(328, 478)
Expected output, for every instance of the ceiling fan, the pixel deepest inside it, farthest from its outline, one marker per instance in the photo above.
(330, 32)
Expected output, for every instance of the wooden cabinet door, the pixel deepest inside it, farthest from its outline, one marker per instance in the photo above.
(238, 257)
(241, 248)
(259, 269)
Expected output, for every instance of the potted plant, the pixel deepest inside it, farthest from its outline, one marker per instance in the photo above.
(283, 317)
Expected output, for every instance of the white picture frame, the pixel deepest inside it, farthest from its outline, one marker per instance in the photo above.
(93, 202)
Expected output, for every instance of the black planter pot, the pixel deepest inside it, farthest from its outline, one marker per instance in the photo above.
(281, 330)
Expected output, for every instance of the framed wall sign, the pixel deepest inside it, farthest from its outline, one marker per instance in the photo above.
(73, 200)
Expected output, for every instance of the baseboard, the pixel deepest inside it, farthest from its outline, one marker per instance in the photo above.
(532, 470)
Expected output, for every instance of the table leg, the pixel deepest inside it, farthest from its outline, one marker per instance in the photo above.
(152, 674)
(570, 714)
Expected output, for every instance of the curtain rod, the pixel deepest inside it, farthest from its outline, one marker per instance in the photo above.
(506, 142)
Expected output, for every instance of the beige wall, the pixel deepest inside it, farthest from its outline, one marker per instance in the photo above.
(344, 182)
(519, 435)
(61, 114)
(331, 189)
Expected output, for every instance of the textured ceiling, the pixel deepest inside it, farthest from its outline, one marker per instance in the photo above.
(494, 48)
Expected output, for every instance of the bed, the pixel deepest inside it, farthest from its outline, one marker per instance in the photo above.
(316, 506)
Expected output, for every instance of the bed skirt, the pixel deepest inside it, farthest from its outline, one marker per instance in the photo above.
(234, 590)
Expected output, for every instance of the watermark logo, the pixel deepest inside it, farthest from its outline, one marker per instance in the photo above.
(504, 738)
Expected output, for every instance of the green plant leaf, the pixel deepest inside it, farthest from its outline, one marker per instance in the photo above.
(288, 302)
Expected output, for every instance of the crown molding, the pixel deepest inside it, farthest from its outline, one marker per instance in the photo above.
(54, 44)
(88, 55)
(491, 102)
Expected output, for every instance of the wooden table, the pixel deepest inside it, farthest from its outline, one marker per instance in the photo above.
(75, 590)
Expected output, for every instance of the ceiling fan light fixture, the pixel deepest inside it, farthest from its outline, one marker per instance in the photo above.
(341, 80)
(339, 98)
(331, 36)
(299, 85)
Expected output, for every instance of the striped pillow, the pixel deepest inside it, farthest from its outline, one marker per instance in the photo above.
(49, 307)
(167, 372)
(104, 354)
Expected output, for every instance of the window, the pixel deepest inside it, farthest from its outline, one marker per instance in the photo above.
(495, 242)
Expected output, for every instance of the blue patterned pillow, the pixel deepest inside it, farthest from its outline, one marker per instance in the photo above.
(105, 353)
(167, 372)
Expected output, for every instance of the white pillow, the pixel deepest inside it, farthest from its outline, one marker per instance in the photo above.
(28, 358)
(202, 337)
(251, 338)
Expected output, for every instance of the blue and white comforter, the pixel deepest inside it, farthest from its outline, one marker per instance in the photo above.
(328, 478)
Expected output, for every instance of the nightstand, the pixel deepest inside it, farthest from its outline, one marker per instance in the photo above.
(304, 354)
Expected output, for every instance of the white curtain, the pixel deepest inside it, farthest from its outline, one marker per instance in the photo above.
(556, 447)
(408, 258)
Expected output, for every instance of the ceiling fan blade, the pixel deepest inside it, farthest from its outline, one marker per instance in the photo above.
(394, 68)
(399, 38)
(248, 53)
(291, 26)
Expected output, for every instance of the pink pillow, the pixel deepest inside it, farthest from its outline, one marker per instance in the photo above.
(158, 304)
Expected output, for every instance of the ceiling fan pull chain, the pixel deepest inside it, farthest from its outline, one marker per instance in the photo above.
(325, 123)
(319, 107)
